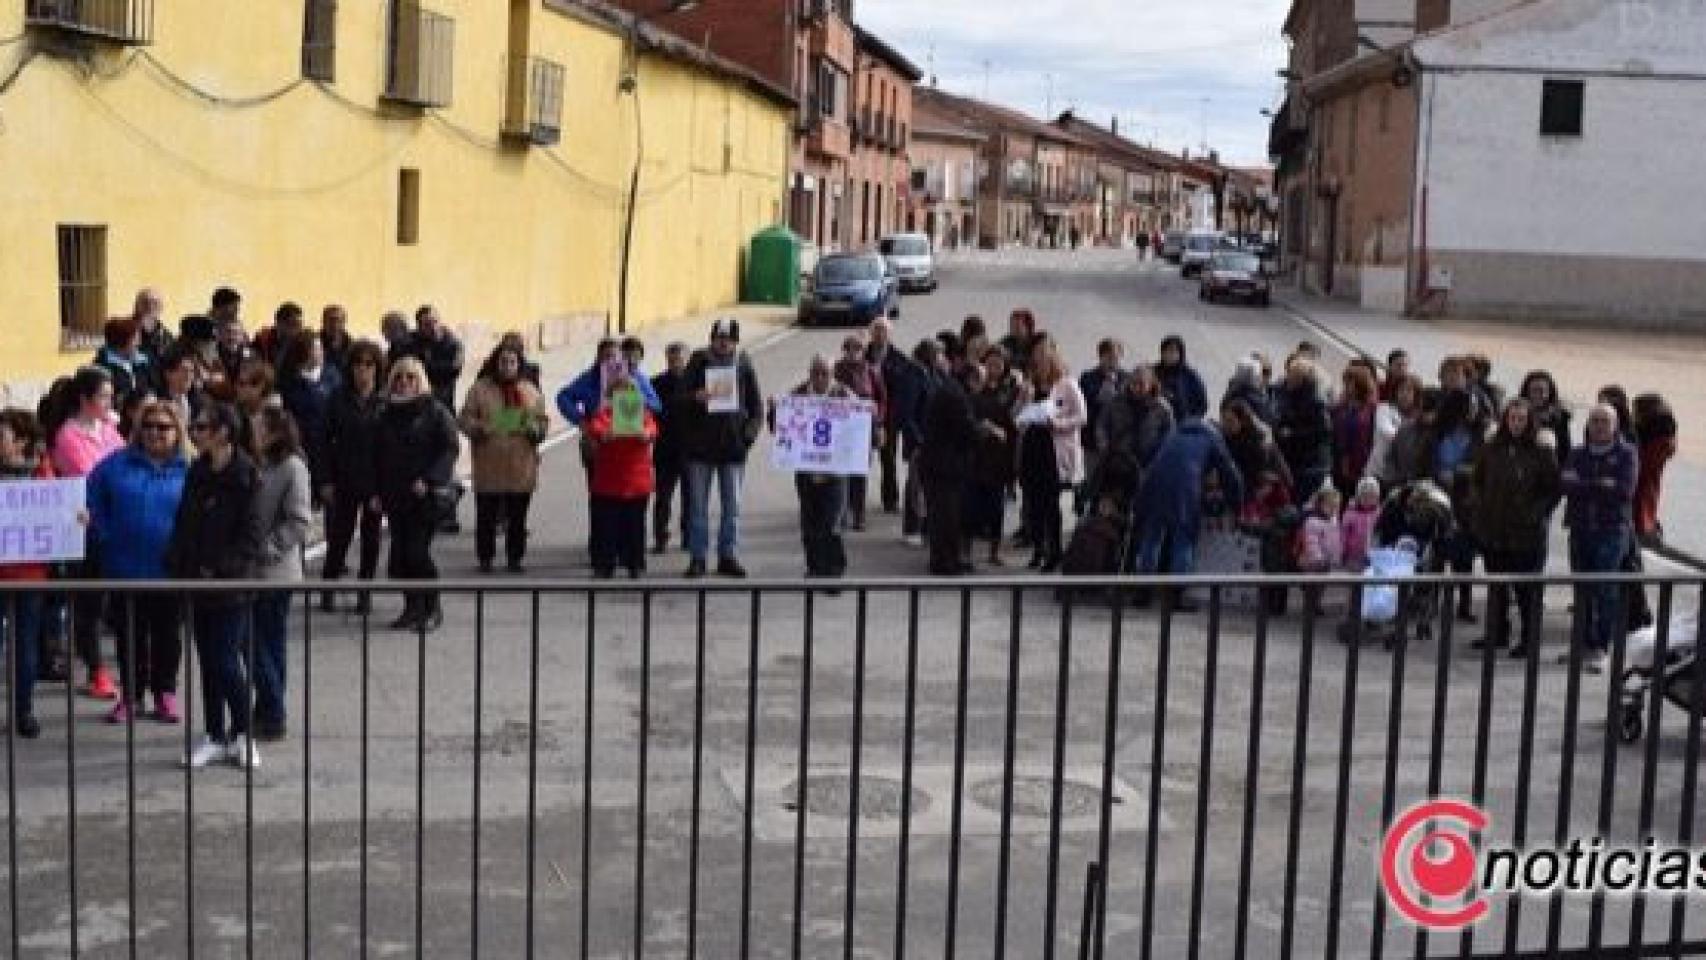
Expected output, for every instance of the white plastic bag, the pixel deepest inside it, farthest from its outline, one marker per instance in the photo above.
(1380, 601)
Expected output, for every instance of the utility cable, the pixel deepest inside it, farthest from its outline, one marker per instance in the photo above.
(218, 100)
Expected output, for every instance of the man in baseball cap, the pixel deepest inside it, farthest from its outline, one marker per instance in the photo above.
(722, 411)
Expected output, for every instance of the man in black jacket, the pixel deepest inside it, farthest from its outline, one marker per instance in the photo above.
(666, 454)
(440, 352)
(950, 440)
(720, 410)
(903, 385)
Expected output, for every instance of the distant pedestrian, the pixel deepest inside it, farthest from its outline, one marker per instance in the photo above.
(723, 412)
(1180, 383)
(667, 460)
(1100, 385)
(281, 518)
(995, 456)
(1397, 369)
(335, 338)
(1051, 458)
(950, 443)
(1303, 428)
(1516, 485)
(214, 540)
(1170, 503)
(899, 386)
(307, 386)
(417, 451)
(399, 339)
(122, 358)
(1355, 423)
(623, 479)
(1599, 482)
(353, 428)
(1548, 410)
(505, 419)
(864, 381)
(180, 386)
(1021, 338)
(273, 344)
(1248, 385)
(148, 313)
(1401, 406)
(440, 352)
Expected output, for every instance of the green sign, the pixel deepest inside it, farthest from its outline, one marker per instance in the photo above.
(627, 412)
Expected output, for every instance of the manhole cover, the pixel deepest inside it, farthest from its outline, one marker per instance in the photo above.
(829, 795)
(1031, 796)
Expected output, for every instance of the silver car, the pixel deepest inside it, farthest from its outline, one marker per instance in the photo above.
(910, 257)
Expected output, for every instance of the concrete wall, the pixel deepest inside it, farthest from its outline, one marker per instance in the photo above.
(296, 198)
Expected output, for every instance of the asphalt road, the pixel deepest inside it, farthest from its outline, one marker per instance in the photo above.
(387, 726)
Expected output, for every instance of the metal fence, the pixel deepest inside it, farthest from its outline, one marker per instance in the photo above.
(924, 769)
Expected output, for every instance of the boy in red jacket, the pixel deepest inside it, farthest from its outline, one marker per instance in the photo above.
(622, 480)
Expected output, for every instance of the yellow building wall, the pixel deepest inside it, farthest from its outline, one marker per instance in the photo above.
(288, 191)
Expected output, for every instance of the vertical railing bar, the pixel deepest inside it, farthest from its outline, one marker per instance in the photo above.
(698, 780)
(307, 775)
(191, 667)
(956, 821)
(1157, 761)
(906, 747)
(1110, 752)
(640, 816)
(73, 618)
(366, 712)
(1446, 601)
(1294, 821)
(1567, 763)
(532, 774)
(1010, 745)
(13, 635)
(1649, 769)
(249, 787)
(1389, 787)
(586, 777)
(1690, 771)
(1341, 796)
(1483, 738)
(478, 801)
(1608, 765)
(1252, 771)
(420, 786)
(1057, 786)
(1199, 855)
(750, 773)
(801, 778)
(856, 759)
(127, 694)
(1524, 769)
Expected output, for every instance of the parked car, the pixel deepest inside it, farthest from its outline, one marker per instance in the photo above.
(913, 263)
(1200, 248)
(1235, 275)
(850, 288)
(1173, 246)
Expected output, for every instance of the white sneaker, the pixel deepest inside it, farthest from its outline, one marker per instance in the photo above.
(243, 754)
(206, 751)
(912, 540)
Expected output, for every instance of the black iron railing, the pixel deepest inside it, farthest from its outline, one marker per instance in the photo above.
(129, 22)
(1024, 768)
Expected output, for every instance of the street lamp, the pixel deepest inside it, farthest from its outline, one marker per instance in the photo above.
(630, 85)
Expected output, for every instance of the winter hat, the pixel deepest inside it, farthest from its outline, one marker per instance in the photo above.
(1368, 485)
(726, 327)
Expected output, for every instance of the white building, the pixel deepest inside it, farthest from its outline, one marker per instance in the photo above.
(1541, 159)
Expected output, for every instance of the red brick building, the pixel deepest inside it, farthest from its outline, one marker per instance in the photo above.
(879, 169)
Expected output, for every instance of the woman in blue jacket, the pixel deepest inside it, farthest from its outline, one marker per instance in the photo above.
(133, 499)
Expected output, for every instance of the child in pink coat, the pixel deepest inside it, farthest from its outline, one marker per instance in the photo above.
(1357, 528)
(1322, 548)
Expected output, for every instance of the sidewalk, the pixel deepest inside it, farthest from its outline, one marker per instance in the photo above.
(1581, 360)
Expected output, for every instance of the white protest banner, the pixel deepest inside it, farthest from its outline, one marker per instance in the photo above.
(722, 386)
(823, 435)
(38, 521)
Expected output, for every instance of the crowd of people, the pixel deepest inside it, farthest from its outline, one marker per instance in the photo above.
(208, 453)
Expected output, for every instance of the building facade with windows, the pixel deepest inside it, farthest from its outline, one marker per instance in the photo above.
(465, 153)
(947, 168)
(879, 171)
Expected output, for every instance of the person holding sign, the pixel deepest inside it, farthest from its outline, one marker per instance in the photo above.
(621, 435)
(21, 613)
(505, 420)
(823, 496)
(721, 411)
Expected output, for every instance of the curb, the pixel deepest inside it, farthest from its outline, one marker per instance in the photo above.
(1670, 553)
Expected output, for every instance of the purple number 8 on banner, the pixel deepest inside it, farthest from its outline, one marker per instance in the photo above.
(822, 433)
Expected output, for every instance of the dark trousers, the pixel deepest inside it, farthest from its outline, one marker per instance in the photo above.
(669, 487)
(913, 520)
(413, 526)
(823, 502)
(272, 625)
(891, 476)
(944, 501)
(21, 618)
(512, 509)
(856, 493)
(150, 644)
(1528, 598)
(1043, 520)
(344, 516)
(1600, 606)
(985, 510)
(618, 533)
(222, 641)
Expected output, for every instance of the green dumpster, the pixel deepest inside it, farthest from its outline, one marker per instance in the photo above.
(773, 268)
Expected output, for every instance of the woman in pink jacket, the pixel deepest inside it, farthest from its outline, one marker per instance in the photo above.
(83, 436)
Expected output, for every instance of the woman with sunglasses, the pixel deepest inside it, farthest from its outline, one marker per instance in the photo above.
(418, 446)
(214, 539)
(133, 502)
(352, 436)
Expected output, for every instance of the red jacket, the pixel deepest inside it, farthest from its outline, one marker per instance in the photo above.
(621, 466)
(27, 571)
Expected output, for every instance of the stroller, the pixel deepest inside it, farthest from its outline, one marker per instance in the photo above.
(1414, 521)
(1673, 679)
(1104, 541)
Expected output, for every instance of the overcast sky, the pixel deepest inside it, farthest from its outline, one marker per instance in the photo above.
(1151, 62)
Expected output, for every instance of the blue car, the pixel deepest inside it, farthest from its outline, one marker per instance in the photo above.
(851, 289)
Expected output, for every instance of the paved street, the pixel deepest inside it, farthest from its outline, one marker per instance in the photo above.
(350, 693)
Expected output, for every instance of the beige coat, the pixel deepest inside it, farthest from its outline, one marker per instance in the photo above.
(504, 462)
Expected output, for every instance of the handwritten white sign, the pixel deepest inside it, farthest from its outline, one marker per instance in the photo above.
(823, 435)
(38, 521)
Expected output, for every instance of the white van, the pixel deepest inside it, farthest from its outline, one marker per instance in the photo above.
(1200, 246)
(910, 257)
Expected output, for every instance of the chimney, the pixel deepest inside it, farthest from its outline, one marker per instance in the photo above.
(1115, 126)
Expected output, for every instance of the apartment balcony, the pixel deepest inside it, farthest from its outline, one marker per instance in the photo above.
(126, 22)
(829, 34)
(829, 138)
(420, 64)
(533, 105)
